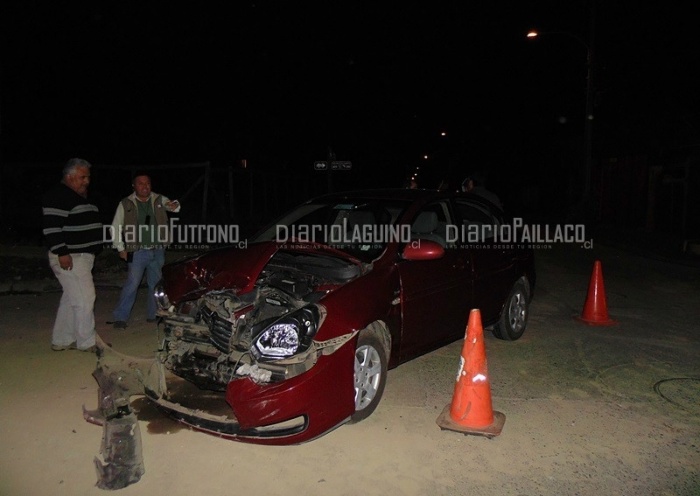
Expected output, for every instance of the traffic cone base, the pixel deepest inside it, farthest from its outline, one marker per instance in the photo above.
(446, 423)
(597, 321)
(470, 411)
(595, 309)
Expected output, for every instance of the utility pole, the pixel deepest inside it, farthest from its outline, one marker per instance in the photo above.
(331, 159)
(586, 200)
(588, 129)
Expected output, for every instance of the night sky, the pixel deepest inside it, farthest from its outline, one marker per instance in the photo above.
(278, 83)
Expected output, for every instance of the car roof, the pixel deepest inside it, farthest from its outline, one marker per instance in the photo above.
(385, 193)
(421, 195)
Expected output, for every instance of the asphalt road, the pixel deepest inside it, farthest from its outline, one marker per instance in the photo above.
(590, 410)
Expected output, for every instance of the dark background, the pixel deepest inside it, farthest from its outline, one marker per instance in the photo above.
(284, 84)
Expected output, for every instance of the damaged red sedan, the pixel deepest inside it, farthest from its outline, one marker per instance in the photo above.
(292, 336)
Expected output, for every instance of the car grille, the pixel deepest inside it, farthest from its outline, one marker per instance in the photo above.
(219, 328)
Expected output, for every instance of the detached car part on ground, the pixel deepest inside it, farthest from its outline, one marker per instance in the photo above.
(283, 341)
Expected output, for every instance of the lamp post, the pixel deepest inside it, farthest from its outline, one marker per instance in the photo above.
(588, 121)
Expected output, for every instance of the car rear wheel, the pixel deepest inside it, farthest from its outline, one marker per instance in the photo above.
(513, 320)
(370, 375)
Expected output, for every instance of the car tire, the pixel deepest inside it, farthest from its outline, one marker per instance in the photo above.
(513, 321)
(370, 374)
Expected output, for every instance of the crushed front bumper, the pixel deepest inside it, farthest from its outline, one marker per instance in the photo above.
(292, 411)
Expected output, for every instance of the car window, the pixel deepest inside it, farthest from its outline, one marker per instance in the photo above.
(360, 227)
(431, 222)
(476, 222)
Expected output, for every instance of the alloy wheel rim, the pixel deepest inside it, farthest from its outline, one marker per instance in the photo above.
(517, 312)
(368, 371)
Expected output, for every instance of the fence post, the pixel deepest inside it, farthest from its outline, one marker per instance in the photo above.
(205, 193)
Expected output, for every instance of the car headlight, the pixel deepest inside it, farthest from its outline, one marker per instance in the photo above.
(161, 297)
(288, 335)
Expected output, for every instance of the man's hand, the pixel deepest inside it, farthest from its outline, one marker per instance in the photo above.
(122, 255)
(66, 262)
(171, 206)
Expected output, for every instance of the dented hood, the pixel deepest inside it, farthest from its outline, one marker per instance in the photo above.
(223, 268)
(230, 268)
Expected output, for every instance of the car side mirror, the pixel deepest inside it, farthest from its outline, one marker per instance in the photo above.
(422, 249)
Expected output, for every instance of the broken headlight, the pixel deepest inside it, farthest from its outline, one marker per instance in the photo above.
(287, 335)
(161, 297)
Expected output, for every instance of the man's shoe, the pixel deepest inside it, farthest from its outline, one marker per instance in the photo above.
(91, 349)
(119, 324)
(58, 347)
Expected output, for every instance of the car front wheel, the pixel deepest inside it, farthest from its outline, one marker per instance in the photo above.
(370, 375)
(513, 320)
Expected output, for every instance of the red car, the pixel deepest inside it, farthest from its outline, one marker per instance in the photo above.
(293, 335)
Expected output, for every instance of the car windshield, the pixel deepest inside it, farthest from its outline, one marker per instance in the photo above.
(359, 227)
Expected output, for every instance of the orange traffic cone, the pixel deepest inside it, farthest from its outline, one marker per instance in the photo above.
(595, 310)
(470, 411)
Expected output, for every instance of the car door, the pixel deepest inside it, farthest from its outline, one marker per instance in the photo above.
(435, 294)
(492, 256)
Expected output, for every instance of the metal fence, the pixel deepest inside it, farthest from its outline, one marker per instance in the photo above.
(208, 194)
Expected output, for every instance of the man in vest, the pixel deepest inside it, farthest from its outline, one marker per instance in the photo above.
(140, 230)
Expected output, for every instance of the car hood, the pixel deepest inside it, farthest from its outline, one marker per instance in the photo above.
(225, 268)
(231, 268)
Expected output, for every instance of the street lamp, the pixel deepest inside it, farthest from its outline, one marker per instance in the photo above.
(588, 122)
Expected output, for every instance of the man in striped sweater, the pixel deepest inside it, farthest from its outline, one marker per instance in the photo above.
(73, 234)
